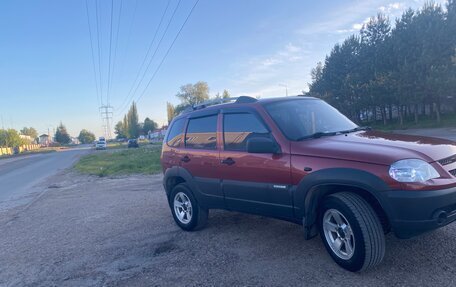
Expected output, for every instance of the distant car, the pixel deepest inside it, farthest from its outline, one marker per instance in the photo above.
(132, 143)
(100, 145)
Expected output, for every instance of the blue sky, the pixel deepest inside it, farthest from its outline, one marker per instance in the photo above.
(247, 47)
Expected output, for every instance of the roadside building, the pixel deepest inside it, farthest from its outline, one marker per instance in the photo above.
(75, 140)
(44, 140)
(157, 135)
(29, 139)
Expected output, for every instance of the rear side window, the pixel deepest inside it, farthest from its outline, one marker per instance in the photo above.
(175, 133)
(202, 133)
(239, 128)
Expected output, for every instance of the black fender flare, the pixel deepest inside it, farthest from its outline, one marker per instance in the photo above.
(307, 194)
(177, 171)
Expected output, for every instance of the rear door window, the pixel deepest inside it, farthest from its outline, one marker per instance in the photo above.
(202, 133)
(174, 137)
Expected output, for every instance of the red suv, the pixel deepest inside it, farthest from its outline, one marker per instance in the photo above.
(299, 159)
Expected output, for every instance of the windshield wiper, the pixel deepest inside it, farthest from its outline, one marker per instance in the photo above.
(357, 129)
(317, 135)
(325, 134)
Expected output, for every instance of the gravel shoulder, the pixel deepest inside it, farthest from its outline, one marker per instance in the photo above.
(90, 231)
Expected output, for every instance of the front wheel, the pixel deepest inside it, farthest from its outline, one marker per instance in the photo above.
(351, 231)
(185, 209)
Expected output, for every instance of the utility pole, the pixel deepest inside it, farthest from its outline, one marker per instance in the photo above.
(286, 88)
(3, 126)
(106, 115)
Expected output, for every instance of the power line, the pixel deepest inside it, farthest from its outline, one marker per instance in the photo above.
(110, 48)
(117, 41)
(91, 49)
(99, 51)
(167, 52)
(129, 37)
(122, 106)
(155, 52)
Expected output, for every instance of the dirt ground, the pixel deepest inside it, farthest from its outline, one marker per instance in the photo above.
(89, 231)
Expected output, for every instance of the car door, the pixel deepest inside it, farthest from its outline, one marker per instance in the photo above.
(253, 182)
(200, 157)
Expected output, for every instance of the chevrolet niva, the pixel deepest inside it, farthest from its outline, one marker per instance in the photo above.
(300, 160)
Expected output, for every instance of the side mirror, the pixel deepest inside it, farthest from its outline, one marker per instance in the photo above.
(262, 145)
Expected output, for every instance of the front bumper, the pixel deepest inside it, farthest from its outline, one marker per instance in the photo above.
(414, 212)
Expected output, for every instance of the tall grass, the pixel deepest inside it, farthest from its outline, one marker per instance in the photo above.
(144, 160)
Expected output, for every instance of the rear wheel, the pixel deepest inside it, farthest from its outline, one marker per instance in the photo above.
(185, 209)
(351, 231)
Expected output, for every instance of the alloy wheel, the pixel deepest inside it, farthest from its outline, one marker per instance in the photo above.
(339, 234)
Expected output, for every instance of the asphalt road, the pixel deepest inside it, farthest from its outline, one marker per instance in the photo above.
(19, 176)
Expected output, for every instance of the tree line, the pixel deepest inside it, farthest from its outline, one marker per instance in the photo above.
(399, 72)
(130, 127)
(12, 138)
(192, 94)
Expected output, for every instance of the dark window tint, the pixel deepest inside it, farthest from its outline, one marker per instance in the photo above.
(202, 133)
(239, 128)
(175, 133)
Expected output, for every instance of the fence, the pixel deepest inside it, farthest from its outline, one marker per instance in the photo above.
(20, 149)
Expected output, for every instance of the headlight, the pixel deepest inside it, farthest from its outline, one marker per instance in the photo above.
(412, 170)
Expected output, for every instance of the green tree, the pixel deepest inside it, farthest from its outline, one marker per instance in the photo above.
(86, 137)
(132, 122)
(125, 127)
(191, 94)
(31, 132)
(374, 52)
(149, 125)
(170, 111)
(119, 130)
(61, 135)
(10, 138)
(389, 72)
(225, 94)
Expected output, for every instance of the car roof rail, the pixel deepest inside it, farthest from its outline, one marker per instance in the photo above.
(216, 101)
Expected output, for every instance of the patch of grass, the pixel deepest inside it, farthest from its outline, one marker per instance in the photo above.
(144, 160)
(115, 145)
(423, 123)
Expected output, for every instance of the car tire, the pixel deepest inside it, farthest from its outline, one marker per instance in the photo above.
(187, 213)
(351, 232)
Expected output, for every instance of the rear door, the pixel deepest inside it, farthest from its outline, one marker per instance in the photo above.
(255, 183)
(200, 157)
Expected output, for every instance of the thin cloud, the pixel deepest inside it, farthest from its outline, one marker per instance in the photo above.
(263, 76)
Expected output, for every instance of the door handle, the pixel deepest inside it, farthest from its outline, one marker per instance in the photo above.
(185, 159)
(228, 161)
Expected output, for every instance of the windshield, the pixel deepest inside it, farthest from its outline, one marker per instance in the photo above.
(302, 118)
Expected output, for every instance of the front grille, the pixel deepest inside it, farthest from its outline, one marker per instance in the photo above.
(448, 160)
(453, 172)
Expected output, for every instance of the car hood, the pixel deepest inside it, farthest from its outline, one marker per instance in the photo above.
(375, 147)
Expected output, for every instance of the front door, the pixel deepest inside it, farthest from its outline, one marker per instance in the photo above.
(255, 183)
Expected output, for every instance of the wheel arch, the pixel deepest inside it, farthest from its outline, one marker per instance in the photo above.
(313, 188)
(177, 175)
